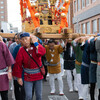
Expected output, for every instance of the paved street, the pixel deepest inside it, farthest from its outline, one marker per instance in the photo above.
(47, 96)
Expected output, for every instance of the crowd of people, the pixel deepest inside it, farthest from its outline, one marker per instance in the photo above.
(24, 58)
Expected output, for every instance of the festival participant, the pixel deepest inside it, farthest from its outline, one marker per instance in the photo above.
(11, 48)
(69, 65)
(14, 44)
(9, 42)
(18, 89)
(32, 73)
(61, 58)
(54, 68)
(78, 54)
(6, 60)
(93, 69)
(97, 46)
(85, 66)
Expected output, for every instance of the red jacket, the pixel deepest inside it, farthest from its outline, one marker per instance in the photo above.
(23, 59)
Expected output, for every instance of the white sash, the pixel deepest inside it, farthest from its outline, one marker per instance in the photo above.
(3, 73)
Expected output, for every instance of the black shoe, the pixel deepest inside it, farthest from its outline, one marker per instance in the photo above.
(45, 80)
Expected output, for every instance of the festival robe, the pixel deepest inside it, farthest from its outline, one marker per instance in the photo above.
(93, 66)
(85, 63)
(6, 59)
(97, 46)
(12, 46)
(78, 56)
(15, 51)
(55, 57)
(24, 59)
(69, 57)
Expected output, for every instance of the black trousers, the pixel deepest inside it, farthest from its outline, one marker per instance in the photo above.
(46, 71)
(4, 95)
(92, 91)
(99, 95)
(19, 91)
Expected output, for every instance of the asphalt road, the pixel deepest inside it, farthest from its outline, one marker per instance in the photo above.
(46, 92)
(47, 96)
(68, 95)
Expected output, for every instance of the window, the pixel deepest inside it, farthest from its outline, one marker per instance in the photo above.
(2, 16)
(99, 25)
(88, 27)
(2, 2)
(87, 2)
(79, 31)
(75, 28)
(83, 3)
(2, 12)
(83, 28)
(75, 6)
(78, 5)
(2, 7)
(94, 26)
(93, 0)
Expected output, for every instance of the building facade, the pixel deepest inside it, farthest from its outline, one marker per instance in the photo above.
(86, 16)
(70, 15)
(3, 11)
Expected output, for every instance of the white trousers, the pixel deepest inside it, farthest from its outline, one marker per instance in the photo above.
(83, 90)
(62, 66)
(79, 86)
(86, 92)
(52, 82)
(70, 80)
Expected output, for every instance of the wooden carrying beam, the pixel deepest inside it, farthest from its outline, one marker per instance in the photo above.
(7, 35)
(62, 36)
(50, 36)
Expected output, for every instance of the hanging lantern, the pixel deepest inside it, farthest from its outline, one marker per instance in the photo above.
(37, 15)
(63, 15)
(66, 1)
(33, 4)
(63, 8)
